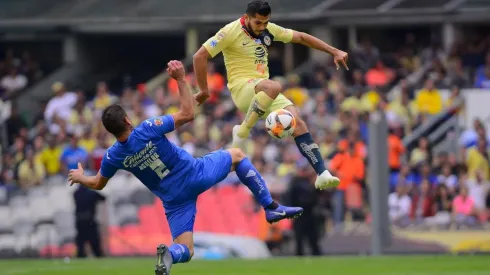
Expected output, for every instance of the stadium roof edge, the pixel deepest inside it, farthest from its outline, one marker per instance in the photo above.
(450, 12)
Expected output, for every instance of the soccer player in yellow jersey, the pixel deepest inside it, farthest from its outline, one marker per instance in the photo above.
(245, 43)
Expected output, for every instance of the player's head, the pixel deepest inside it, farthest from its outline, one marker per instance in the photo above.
(257, 16)
(116, 120)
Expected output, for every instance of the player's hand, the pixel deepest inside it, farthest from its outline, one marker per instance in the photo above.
(201, 97)
(176, 69)
(75, 175)
(340, 58)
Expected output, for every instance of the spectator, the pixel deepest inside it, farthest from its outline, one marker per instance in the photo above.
(81, 116)
(422, 203)
(399, 206)
(477, 160)
(294, 92)
(102, 99)
(86, 225)
(447, 178)
(464, 209)
(14, 124)
(303, 194)
(455, 95)
(349, 167)
(13, 82)
(380, 75)
(483, 80)
(404, 177)
(395, 151)
(442, 208)
(457, 76)
(421, 153)
(72, 155)
(429, 99)
(478, 190)
(31, 172)
(60, 106)
(50, 157)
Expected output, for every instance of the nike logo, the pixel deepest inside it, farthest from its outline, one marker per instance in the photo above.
(245, 43)
(108, 155)
(283, 213)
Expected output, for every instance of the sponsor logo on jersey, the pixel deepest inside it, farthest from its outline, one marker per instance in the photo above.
(259, 52)
(214, 43)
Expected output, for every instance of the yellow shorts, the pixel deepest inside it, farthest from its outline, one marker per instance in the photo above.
(243, 91)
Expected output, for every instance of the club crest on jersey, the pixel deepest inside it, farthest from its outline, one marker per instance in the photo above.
(267, 40)
(158, 122)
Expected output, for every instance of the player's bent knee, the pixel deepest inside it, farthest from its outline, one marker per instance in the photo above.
(270, 87)
(236, 155)
(301, 127)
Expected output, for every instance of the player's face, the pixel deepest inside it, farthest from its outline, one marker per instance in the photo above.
(258, 23)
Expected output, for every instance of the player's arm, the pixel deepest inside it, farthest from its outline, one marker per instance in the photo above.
(97, 182)
(209, 49)
(291, 36)
(310, 41)
(186, 112)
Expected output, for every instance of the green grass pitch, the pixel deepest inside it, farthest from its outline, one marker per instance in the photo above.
(389, 265)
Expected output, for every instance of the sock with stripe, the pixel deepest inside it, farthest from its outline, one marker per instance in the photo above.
(180, 253)
(248, 175)
(260, 103)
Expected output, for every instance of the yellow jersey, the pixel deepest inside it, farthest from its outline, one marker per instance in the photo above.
(246, 57)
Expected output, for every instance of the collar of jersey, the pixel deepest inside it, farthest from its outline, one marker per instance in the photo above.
(245, 29)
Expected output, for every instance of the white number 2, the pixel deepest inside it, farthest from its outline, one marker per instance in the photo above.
(159, 168)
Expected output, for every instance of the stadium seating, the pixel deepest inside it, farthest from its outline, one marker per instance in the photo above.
(40, 221)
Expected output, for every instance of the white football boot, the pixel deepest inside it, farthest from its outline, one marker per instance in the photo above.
(238, 142)
(326, 180)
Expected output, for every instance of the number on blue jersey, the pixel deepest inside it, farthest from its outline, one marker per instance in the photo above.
(159, 168)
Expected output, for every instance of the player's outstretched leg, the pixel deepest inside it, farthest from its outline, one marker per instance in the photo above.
(248, 175)
(166, 256)
(265, 93)
(180, 252)
(309, 149)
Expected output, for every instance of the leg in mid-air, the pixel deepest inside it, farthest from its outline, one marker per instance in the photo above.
(310, 150)
(181, 222)
(180, 252)
(265, 97)
(266, 91)
(250, 177)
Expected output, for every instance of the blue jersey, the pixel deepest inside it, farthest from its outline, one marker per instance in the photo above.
(151, 157)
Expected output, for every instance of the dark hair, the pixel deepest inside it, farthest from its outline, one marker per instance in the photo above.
(258, 7)
(113, 119)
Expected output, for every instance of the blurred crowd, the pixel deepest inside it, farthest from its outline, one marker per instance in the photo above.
(17, 72)
(427, 188)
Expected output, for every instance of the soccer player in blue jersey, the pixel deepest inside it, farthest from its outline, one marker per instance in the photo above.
(171, 173)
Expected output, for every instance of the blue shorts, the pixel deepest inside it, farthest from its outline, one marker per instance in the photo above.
(208, 170)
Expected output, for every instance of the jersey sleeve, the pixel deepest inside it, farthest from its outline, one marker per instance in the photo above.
(107, 169)
(220, 41)
(280, 34)
(159, 126)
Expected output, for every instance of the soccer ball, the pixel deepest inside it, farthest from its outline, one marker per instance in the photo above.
(280, 123)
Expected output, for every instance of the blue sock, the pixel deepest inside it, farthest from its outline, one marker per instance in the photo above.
(180, 253)
(249, 176)
(309, 149)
